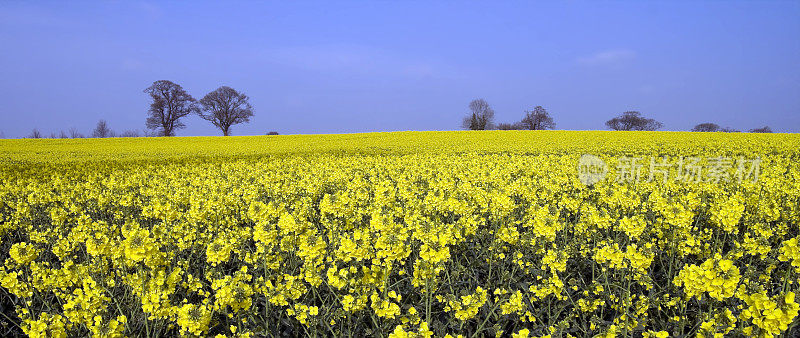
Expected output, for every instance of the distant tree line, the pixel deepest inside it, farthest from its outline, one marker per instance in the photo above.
(633, 120)
(713, 127)
(481, 117)
(101, 130)
(226, 107)
(223, 107)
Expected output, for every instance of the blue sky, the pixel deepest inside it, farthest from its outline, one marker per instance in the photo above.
(335, 67)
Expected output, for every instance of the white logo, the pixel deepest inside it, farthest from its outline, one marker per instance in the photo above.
(591, 169)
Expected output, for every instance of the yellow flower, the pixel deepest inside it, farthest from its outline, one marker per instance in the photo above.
(194, 319)
(717, 276)
(46, 326)
(521, 334)
(23, 253)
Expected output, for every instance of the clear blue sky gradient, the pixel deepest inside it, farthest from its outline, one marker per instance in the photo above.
(340, 67)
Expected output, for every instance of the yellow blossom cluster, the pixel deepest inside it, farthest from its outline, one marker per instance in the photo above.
(410, 234)
(717, 276)
(770, 315)
(467, 306)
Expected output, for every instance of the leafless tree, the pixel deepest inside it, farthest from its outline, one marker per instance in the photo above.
(62, 134)
(35, 133)
(170, 104)
(713, 127)
(74, 133)
(633, 120)
(225, 107)
(150, 133)
(102, 130)
(130, 133)
(537, 119)
(707, 127)
(481, 116)
(509, 126)
(765, 129)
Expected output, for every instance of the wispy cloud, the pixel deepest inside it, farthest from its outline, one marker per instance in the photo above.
(607, 57)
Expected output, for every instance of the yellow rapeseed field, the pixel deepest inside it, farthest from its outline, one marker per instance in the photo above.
(408, 234)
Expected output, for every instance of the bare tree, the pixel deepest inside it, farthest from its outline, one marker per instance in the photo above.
(35, 133)
(537, 119)
(225, 107)
(509, 126)
(150, 133)
(765, 129)
(481, 116)
(170, 104)
(102, 130)
(130, 133)
(633, 120)
(713, 127)
(62, 134)
(707, 127)
(73, 133)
